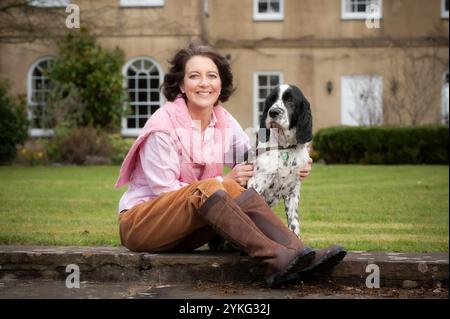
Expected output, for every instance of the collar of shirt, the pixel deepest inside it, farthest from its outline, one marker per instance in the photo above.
(209, 132)
(212, 121)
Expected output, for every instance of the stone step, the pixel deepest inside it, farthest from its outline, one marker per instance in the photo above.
(102, 264)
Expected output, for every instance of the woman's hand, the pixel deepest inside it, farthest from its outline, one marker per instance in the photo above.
(304, 171)
(241, 173)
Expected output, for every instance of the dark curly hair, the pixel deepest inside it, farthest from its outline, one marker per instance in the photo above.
(174, 78)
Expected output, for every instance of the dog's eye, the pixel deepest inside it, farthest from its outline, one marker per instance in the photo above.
(290, 99)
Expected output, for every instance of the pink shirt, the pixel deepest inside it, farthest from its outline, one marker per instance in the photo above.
(158, 166)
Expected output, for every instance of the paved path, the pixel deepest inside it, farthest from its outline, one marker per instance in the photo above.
(56, 289)
(114, 272)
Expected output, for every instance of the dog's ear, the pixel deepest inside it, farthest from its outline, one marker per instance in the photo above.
(304, 123)
(264, 132)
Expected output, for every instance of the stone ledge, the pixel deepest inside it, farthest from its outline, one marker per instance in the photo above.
(119, 264)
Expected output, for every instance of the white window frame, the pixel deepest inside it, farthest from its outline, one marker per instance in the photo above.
(35, 132)
(256, 99)
(444, 13)
(142, 3)
(277, 16)
(49, 3)
(351, 121)
(133, 132)
(206, 8)
(345, 15)
(445, 101)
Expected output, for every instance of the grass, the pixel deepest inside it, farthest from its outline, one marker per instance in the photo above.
(59, 205)
(374, 208)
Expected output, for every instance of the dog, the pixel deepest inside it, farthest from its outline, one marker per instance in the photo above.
(282, 150)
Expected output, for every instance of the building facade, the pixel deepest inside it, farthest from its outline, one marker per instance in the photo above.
(359, 62)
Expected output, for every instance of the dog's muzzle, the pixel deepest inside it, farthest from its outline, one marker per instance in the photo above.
(274, 112)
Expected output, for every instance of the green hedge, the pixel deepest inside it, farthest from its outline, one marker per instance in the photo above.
(383, 145)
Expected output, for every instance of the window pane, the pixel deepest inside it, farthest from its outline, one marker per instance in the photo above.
(143, 110)
(262, 79)
(131, 122)
(132, 96)
(142, 121)
(154, 108)
(147, 64)
(154, 83)
(261, 106)
(361, 7)
(46, 94)
(37, 71)
(142, 96)
(131, 72)
(34, 97)
(154, 72)
(131, 83)
(262, 93)
(262, 7)
(274, 6)
(142, 81)
(274, 80)
(38, 115)
(357, 5)
(154, 96)
(38, 96)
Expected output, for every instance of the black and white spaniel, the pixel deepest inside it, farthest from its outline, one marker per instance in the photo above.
(286, 131)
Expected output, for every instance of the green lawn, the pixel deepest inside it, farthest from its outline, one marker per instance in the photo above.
(375, 208)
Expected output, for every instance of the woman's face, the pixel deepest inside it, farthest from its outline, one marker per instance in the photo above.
(201, 83)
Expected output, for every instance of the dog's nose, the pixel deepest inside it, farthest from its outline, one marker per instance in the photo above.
(273, 113)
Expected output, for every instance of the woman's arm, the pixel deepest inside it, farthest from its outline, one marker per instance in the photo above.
(160, 163)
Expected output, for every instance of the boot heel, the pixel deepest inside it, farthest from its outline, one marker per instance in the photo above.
(301, 261)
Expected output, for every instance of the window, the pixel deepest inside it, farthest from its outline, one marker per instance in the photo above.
(38, 90)
(268, 10)
(361, 9)
(205, 8)
(263, 84)
(444, 9)
(445, 96)
(143, 78)
(49, 3)
(361, 102)
(141, 3)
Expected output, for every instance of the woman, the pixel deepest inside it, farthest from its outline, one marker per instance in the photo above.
(177, 199)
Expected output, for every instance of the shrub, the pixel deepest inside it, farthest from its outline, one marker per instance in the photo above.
(383, 145)
(13, 124)
(85, 145)
(65, 106)
(96, 74)
(120, 147)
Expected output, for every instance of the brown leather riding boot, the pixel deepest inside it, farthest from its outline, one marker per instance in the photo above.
(254, 206)
(226, 217)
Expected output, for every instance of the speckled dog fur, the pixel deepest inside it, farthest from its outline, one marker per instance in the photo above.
(286, 123)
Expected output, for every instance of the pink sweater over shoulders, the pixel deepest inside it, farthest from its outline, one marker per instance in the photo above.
(171, 152)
